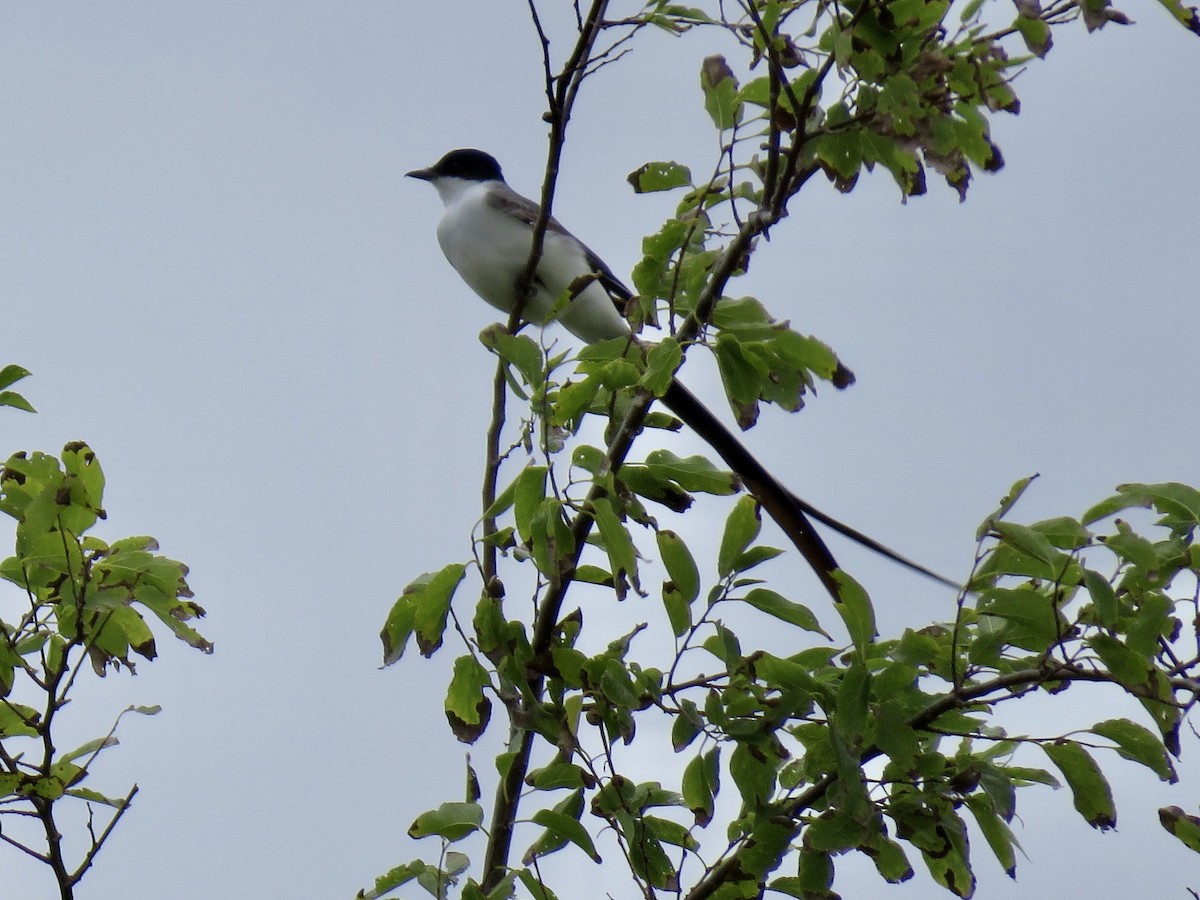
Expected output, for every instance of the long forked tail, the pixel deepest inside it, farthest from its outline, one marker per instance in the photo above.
(789, 511)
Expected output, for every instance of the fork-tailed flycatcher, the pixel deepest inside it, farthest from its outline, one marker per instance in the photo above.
(486, 232)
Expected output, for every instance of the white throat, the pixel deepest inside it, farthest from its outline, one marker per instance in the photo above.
(452, 189)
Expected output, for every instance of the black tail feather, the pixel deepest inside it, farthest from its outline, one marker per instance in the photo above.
(790, 512)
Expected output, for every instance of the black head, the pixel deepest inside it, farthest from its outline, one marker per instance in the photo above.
(469, 165)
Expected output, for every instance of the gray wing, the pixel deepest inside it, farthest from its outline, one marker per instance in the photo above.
(525, 210)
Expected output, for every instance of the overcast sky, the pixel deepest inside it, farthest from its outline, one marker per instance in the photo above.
(214, 268)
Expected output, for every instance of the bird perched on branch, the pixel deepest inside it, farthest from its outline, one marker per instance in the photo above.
(486, 233)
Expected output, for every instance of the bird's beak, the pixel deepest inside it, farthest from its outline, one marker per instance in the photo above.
(423, 174)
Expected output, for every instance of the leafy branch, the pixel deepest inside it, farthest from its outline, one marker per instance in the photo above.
(831, 749)
(86, 600)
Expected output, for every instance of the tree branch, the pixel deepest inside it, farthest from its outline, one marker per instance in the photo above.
(731, 867)
(561, 91)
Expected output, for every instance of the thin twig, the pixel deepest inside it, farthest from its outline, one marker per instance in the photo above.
(98, 843)
(29, 850)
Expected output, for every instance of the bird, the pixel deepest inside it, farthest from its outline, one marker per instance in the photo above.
(486, 234)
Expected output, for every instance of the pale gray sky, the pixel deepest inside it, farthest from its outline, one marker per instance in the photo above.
(212, 264)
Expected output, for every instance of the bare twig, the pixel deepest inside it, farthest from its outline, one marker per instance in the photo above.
(29, 850)
(97, 843)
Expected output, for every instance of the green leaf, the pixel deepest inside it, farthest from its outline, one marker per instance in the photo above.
(89, 748)
(833, 832)
(1182, 825)
(422, 608)
(39, 507)
(681, 567)
(790, 675)
(1033, 623)
(743, 374)
(814, 875)
(10, 783)
(890, 860)
(393, 878)
(661, 362)
(615, 683)
(753, 774)
(574, 399)
(1187, 16)
(670, 832)
(1036, 33)
(744, 315)
(688, 725)
(1090, 790)
(559, 775)
(646, 855)
(80, 462)
(894, 736)
(659, 176)
(785, 610)
(67, 773)
(757, 91)
(468, 708)
(125, 628)
(692, 473)
(16, 401)
(995, 831)
(550, 538)
(529, 490)
(533, 883)
(1134, 549)
(1007, 502)
(1023, 775)
(18, 719)
(1126, 665)
(853, 703)
(754, 556)
(701, 782)
(683, 13)
(1110, 506)
(563, 826)
(741, 527)
(1178, 502)
(720, 88)
(1138, 744)
(679, 611)
(618, 544)
(1028, 541)
(856, 611)
(91, 796)
(808, 354)
(1063, 532)
(650, 275)
(950, 864)
(452, 821)
(47, 787)
(588, 574)
(1153, 621)
(517, 350)
(1104, 598)
(11, 374)
(841, 154)
(683, 586)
